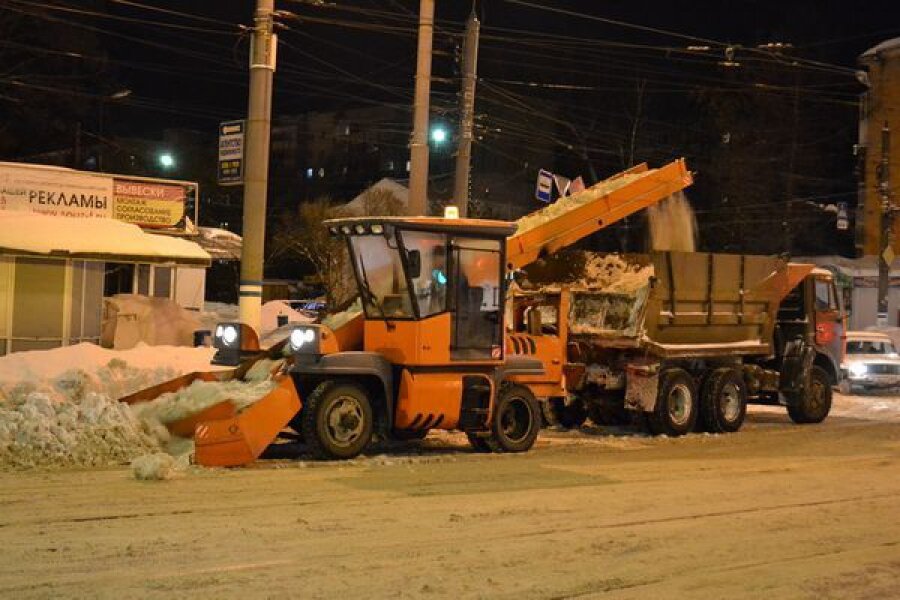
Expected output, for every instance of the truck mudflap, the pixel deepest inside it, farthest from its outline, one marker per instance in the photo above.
(239, 439)
(642, 386)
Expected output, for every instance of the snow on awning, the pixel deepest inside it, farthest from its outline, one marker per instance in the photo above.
(92, 238)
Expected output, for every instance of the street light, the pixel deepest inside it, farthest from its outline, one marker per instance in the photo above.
(166, 160)
(438, 135)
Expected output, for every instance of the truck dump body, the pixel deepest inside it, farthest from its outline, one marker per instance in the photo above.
(694, 305)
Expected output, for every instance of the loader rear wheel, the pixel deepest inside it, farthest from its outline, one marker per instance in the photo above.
(723, 401)
(337, 420)
(675, 412)
(815, 403)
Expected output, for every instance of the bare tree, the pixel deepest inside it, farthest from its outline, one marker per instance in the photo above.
(301, 234)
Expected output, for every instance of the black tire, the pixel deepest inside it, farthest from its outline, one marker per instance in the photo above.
(723, 401)
(676, 407)
(332, 435)
(815, 403)
(515, 421)
(409, 435)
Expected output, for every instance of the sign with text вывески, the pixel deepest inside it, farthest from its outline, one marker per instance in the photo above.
(60, 192)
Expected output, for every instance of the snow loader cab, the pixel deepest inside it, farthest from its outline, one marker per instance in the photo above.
(432, 352)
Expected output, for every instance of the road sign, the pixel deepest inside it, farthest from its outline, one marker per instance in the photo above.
(544, 189)
(843, 223)
(231, 152)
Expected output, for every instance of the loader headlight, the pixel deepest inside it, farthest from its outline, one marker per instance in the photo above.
(858, 369)
(228, 333)
(304, 339)
(234, 342)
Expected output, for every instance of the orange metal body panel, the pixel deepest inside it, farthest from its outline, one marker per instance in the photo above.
(412, 343)
(429, 397)
(185, 427)
(240, 439)
(569, 227)
(348, 336)
(784, 280)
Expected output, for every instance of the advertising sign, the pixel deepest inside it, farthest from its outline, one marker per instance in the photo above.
(231, 152)
(62, 192)
(150, 205)
(54, 192)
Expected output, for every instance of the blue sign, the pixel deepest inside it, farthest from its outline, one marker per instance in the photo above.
(544, 188)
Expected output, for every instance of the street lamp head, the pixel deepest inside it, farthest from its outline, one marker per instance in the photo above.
(438, 135)
(121, 94)
(166, 160)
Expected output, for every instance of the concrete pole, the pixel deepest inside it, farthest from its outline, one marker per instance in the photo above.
(418, 147)
(461, 186)
(887, 226)
(256, 169)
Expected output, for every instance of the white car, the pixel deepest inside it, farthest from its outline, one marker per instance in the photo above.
(870, 362)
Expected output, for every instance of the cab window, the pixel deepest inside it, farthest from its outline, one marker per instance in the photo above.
(825, 297)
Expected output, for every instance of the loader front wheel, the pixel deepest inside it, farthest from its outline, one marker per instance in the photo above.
(337, 420)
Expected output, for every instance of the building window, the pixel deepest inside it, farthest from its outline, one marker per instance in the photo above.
(321, 172)
(309, 173)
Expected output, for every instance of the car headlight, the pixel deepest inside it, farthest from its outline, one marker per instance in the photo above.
(858, 369)
(303, 339)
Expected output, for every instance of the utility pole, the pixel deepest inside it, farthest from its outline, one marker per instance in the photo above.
(418, 148)
(887, 226)
(256, 171)
(461, 186)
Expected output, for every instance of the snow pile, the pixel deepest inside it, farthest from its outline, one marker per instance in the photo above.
(611, 273)
(570, 203)
(130, 319)
(199, 396)
(158, 466)
(73, 420)
(55, 416)
(673, 225)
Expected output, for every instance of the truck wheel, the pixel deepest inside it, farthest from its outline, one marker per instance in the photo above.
(723, 401)
(815, 404)
(337, 420)
(515, 422)
(675, 412)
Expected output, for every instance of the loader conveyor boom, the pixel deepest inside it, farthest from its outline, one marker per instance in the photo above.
(644, 187)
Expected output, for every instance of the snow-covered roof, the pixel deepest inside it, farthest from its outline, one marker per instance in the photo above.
(97, 238)
(885, 46)
(220, 243)
(357, 206)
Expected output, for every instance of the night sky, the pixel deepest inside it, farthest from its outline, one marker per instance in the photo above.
(195, 75)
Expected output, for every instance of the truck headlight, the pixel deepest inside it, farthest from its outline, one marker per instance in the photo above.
(304, 339)
(858, 369)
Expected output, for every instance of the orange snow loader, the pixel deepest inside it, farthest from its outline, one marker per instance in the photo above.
(429, 349)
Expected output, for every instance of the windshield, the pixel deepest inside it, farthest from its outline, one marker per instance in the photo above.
(869, 347)
(381, 279)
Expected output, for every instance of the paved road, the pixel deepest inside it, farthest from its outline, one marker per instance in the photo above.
(776, 511)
